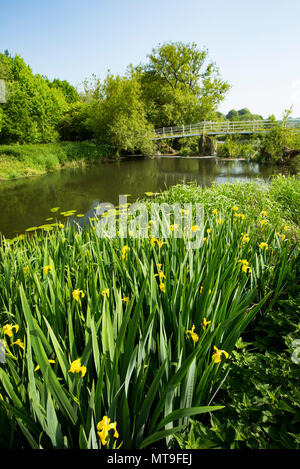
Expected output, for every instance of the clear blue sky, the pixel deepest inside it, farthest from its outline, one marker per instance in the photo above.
(255, 44)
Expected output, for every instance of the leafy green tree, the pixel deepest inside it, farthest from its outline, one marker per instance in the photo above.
(32, 109)
(178, 85)
(119, 118)
(274, 143)
(92, 88)
(232, 115)
(74, 124)
(70, 93)
(242, 115)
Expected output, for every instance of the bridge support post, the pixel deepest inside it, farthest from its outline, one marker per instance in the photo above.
(207, 146)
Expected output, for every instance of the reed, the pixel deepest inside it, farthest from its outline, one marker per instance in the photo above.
(152, 326)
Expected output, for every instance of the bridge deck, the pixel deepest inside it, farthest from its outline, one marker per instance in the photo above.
(223, 128)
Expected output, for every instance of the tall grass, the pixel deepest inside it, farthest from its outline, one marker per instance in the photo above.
(20, 160)
(281, 197)
(143, 370)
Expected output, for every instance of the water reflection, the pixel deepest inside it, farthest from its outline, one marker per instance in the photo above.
(27, 202)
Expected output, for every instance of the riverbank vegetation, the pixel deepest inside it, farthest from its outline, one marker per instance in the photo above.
(144, 332)
(32, 159)
(280, 145)
(176, 85)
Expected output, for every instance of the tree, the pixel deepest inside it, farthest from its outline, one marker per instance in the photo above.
(119, 118)
(232, 115)
(178, 85)
(70, 93)
(74, 124)
(32, 109)
(280, 143)
(242, 115)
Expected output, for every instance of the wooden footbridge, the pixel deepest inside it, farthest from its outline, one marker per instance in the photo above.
(224, 128)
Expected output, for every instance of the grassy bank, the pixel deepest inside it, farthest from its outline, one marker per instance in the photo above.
(281, 197)
(143, 331)
(28, 160)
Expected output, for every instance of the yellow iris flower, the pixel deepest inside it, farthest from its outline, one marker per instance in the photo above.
(19, 343)
(205, 323)
(103, 428)
(263, 222)
(77, 294)
(218, 353)
(46, 269)
(245, 265)
(8, 329)
(245, 238)
(38, 366)
(105, 292)
(124, 251)
(76, 367)
(160, 274)
(192, 334)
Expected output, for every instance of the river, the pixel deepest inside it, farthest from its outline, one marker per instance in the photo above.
(27, 202)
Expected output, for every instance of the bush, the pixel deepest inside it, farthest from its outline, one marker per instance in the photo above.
(19, 160)
(261, 395)
(232, 148)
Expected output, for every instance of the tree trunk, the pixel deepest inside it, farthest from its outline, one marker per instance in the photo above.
(288, 153)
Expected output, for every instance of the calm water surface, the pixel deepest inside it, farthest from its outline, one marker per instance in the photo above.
(27, 202)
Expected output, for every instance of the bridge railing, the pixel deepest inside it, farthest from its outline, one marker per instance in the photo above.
(222, 127)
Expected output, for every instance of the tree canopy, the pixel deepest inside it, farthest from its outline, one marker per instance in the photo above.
(242, 115)
(177, 85)
(32, 108)
(119, 116)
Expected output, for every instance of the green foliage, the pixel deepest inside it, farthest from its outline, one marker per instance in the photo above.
(32, 109)
(24, 160)
(281, 197)
(229, 149)
(186, 146)
(262, 390)
(74, 125)
(275, 142)
(233, 148)
(119, 118)
(242, 115)
(261, 393)
(70, 93)
(178, 85)
(142, 370)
